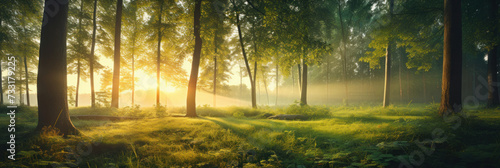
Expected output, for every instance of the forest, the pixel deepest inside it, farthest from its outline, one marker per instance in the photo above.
(249, 83)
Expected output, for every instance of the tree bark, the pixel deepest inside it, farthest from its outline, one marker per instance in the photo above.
(77, 82)
(158, 58)
(425, 88)
(215, 72)
(451, 93)
(254, 89)
(277, 81)
(80, 45)
(344, 57)
(399, 76)
(300, 78)
(133, 74)
(191, 95)
(91, 59)
(1, 56)
(303, 95)
(252, 83)
(265, 84)
(493, 99)
(387, 81)
(26, 81)
(116, 69)
(51, 86)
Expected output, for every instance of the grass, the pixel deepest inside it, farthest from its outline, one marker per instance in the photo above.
(336, 136)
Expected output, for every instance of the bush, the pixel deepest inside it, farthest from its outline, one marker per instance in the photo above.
(313, 112)
(134, 111)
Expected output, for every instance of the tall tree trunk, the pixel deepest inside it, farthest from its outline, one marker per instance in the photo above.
(303, 94)
(133, 74)
(399, 76)
(252, 83)
(425, 88)
(327, 79)
(293, 81)
(91, 59)
(25, 67)
(277, 81)
(51, 86)
(265, 84)
(300, 77)
(254, 94)
(80, 45)
(158, 58)
(387, 81)
(1, 56)
(451, 93)
(493, 99)
(26, 81)
(215, 72)
(21, 99)
(191, 95)
(344, 57)
(116, 69)
(408, 85)
(77, 82)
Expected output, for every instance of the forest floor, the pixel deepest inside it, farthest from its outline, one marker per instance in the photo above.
(333, 136)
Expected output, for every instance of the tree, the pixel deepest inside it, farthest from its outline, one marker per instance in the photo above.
(78, 51)
(247, 65)
(493, 99)
(133, 44)
(191, 95)
(51, 86)
(158, 58)
(116, 68)
(387, 81)
(92, 56)
(451, 93)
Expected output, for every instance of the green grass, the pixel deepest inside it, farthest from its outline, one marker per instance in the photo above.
(336, 136)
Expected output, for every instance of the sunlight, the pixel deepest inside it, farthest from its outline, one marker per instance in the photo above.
(147, 81)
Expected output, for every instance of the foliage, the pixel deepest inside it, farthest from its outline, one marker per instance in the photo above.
(353, 136)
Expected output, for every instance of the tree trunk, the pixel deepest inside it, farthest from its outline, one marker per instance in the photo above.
(408, 85)
(91, 59)
(277, 82)
(1, 56)
(77, 82)
(191, 95)
(51, 86)
(252, 83)
(116, 69)
(451, 93)
(265, 84)
(254, 94)
(300, 78)
(399, 76)
(493, 99)
(425, 88)
(26, 81)
(344, 57)
(158, 58)
(327, 79)
(387, 81)
(133, 75)
(303, 95)
(215, 72)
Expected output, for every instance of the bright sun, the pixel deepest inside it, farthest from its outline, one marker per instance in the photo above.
(148, 82)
